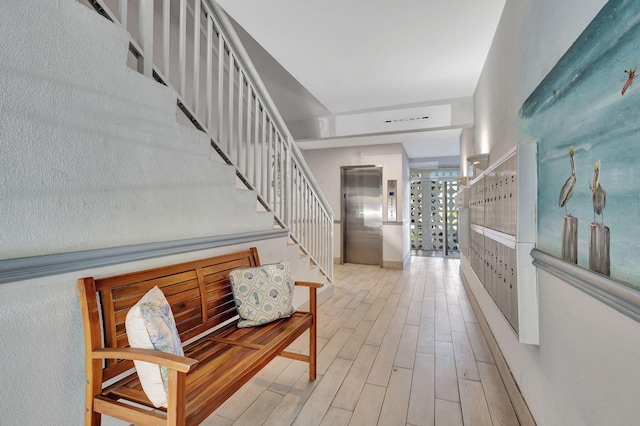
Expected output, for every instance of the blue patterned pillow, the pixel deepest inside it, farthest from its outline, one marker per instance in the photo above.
(150, 325)
(263, 293)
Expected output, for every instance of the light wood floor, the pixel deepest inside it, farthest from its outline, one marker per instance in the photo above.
(395, 348)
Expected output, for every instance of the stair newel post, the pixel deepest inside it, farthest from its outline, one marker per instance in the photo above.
(145, 24)
(288, 188)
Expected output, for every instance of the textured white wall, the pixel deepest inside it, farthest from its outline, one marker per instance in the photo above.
(90, 156)
(585, 370)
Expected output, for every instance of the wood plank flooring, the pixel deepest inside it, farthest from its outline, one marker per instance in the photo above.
(395, 348)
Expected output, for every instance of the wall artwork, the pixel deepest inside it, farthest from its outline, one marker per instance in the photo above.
(585, 118)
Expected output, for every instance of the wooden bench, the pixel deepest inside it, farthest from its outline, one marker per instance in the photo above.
(215, 365)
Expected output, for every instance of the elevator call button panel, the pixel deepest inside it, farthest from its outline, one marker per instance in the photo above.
(392, 190)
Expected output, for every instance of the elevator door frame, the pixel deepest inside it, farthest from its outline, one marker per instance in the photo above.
(343, 210)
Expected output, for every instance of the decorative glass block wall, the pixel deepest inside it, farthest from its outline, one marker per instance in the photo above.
(434, 220)
(417, 215)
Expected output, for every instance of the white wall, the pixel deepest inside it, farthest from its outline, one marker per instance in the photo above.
(406, 207)
(325, 165)
(585, 370)
(92, 155)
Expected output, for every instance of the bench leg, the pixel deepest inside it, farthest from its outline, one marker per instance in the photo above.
(93, 388)
(91, 418)
(176, 398)
(313, 333)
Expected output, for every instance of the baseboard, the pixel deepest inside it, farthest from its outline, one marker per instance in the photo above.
(519, 404)
(407, 260)
(326, 293)
(392, 265)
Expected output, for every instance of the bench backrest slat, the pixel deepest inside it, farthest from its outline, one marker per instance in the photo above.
(199, 293)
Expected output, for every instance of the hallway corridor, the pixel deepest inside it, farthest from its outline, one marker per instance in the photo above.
(395, 348)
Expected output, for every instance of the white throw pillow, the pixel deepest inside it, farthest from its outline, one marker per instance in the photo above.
(150, 325)
(262, 293)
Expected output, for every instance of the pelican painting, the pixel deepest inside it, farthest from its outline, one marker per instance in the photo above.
(567, 189)
(593, 221)
(598, 195)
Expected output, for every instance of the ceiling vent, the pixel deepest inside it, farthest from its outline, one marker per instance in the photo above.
(385, 121)
(406, 119)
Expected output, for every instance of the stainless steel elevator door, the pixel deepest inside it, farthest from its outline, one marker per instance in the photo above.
(362, 215)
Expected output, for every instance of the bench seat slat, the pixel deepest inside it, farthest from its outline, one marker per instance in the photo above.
(221, 362)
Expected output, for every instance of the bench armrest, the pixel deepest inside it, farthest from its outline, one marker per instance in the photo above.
(171, 361)
(309, 284)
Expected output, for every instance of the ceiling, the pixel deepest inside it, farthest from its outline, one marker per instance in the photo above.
(360, 60)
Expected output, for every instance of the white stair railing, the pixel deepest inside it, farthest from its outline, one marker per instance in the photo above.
(191, 46)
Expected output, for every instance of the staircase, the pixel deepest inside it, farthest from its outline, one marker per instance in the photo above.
(95, 157)
(93, 160)
(191, 47)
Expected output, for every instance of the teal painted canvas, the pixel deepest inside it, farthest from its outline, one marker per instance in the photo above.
(585, 118)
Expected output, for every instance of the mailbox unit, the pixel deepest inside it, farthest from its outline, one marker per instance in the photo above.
(502, 235)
